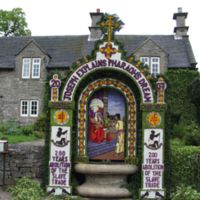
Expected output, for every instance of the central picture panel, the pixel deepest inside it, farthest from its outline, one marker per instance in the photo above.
(106, 125)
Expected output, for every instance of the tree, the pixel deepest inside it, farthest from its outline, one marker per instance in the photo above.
(13, 23)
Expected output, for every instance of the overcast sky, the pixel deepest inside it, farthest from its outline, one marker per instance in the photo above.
(69, 17)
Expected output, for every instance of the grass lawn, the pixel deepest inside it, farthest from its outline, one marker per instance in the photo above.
(16, 138)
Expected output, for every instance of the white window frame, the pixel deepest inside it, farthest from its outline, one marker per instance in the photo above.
(37, 108)
(21, 108)
(152, 63)
(34, 65)
(146, 62)
(28, 62)
(29, 108)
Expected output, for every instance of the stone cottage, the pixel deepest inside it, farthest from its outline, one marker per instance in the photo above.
(25, 62)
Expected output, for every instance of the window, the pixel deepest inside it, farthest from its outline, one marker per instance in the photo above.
(26, 66)
(153, 63)
(24, 108)
(31, 68)
(155, 66)
(29, 108)
(145, 60)
(34, 108)
(36, 68)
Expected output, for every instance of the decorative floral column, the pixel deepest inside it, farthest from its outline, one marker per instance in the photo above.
(60, 142)
(153, 146)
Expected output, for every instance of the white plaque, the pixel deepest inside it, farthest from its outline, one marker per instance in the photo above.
(60, 161)
(153, 166)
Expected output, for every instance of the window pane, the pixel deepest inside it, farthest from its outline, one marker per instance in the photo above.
(154, 69)
(24, 108)
(144, 60)
(155, 66)
(34, 108)
(26, 68)
(36, 68)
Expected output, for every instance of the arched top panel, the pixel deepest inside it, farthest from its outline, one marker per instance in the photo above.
(118, 65)
(82, 110)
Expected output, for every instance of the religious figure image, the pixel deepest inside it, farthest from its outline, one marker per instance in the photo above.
(96, 121)
(106, 125)
(119, 126)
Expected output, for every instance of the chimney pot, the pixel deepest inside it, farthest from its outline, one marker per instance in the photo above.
(95, 29)
(179, 10)
(181, 29)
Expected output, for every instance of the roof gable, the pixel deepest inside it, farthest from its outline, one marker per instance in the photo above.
(147, 42)
(32, 42)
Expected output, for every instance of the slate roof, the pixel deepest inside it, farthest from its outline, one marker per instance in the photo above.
(64, 50)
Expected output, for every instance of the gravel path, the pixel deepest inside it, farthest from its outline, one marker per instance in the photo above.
(4, 195)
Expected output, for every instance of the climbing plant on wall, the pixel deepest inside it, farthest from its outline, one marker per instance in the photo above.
(180, 107)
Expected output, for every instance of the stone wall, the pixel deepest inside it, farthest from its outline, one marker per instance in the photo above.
(14, 89)
(22, 160)
(151, 49)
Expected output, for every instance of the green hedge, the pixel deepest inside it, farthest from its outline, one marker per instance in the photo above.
(185, 166)
(180, 106)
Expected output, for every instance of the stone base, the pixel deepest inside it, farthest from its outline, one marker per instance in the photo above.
(104, 181)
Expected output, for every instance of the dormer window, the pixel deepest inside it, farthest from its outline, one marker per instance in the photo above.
(153, 63)
(145, 60)
(36, 68)
(155, 66)
(26, 66)
(31, 68)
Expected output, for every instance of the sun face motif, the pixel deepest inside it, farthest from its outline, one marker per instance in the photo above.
(153, 119)
(61, 117)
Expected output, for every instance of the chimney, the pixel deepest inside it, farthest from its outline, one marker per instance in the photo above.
(95, 30)
(180, 30)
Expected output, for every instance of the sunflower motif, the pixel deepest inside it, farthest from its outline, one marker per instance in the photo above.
(61, 117)
(153, 119)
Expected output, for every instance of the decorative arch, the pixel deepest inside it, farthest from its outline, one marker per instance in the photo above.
(130, 78)
(82, 114)
(118, 65)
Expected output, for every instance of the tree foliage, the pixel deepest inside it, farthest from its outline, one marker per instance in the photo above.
(194, 90)
(180, 105)
(13, 23)
(116, 23)
(184, 167)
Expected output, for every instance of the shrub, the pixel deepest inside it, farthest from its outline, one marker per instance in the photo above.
(185, 193)
(192, 138)
(40, 124)
(179, 131)
(27, 130)
(188, 133)
(40, 127)
(39, 134)
(26, 189)
(8, 127)
(185, 161)
(180, 109)
(194, 91)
